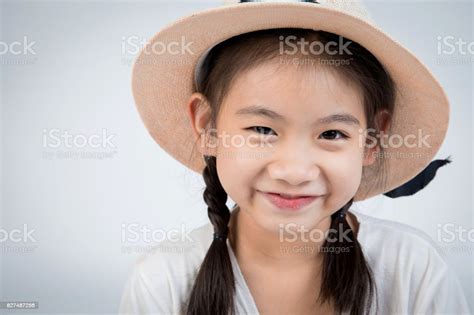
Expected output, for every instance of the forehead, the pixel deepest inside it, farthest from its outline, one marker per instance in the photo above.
(298, 93)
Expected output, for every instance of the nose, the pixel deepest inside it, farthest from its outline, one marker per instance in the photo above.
(295, 166)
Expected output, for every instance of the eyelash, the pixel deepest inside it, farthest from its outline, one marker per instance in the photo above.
(342, 135)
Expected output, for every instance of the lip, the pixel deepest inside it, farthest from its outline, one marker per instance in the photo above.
(292, 204)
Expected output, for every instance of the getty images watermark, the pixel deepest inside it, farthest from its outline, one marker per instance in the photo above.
(18, 240)
(386, 140)
(455, 238)
(292, 46)
(291, 232)
(63, 144)
(140, 238)
(307, 238)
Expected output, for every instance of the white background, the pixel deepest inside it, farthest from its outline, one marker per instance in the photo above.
(79, 81)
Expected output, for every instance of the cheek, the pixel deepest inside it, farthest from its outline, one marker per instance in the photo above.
(344, 174)
(226, 173)
(237, 175)
(238, 163)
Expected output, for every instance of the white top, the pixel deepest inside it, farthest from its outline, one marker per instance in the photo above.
(411, 274)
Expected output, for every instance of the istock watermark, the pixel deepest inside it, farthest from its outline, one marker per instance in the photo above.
(292, 232)
(370, 137)
(17, 235)
(450, 232)
(141, 238)
(455, 239)
(18, 52)
(63, 144)
(16, 240)
(450, 45)
(291, 45)
(132, 44)
(333, 241)
(454, 50)
(211, 139)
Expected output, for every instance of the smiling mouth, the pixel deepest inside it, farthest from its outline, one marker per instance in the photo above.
(290, 196)
(289, 202)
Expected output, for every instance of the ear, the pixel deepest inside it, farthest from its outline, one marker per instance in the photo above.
(382, 123)
(199, 113)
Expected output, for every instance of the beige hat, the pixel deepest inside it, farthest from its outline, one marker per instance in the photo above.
(163, 82)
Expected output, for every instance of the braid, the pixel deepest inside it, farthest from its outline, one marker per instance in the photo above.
(214, 287)
(346, 276)
(215, 197)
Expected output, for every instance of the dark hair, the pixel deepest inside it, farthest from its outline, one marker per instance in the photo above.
(347, 279)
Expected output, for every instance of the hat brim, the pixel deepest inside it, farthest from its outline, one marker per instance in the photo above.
(163, 83)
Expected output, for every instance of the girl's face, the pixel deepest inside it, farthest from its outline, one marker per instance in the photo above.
(296, 131)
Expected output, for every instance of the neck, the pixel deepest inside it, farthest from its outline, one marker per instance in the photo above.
(267, 249)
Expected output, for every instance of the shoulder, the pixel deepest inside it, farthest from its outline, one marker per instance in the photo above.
(410, 268)
(398, 244)
(178, 252)
(160, 279)
(395, 233)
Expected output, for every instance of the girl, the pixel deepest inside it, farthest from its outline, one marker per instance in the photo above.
(285, 113)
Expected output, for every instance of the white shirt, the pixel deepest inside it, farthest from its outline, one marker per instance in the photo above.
(411, 274)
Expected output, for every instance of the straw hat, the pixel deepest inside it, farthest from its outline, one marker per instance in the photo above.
(163, 82)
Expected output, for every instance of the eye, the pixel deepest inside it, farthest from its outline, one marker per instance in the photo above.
(260, 129)
(332, 134)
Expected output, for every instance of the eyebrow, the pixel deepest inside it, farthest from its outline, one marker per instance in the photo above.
(257, 110)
